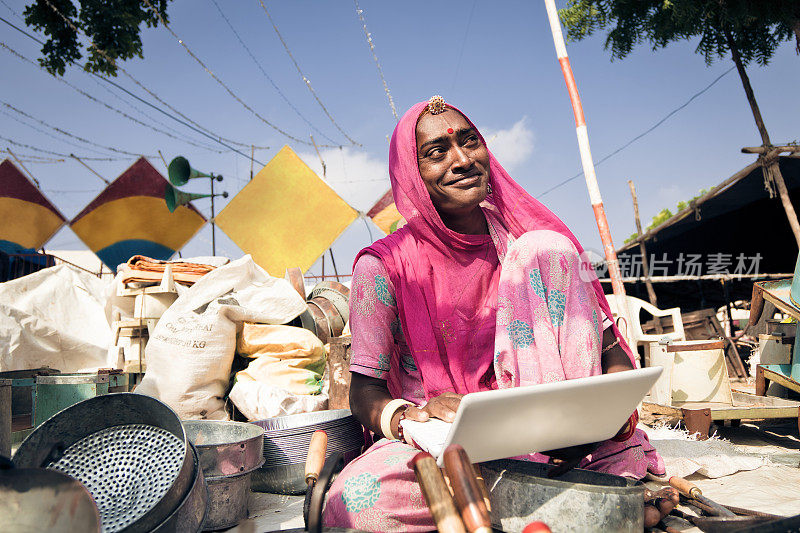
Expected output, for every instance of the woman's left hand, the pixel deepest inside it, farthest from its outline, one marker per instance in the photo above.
(443, 407)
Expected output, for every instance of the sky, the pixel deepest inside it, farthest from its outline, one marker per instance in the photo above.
(493, 60)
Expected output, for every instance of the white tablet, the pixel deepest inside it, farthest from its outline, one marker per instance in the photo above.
(505, 423)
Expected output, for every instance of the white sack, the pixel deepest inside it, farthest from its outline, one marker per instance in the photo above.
(189, 355)
(54, 317)
(258, 400)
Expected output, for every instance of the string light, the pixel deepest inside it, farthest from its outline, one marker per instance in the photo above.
(305, 79)
(43, 132)
(368, 35)
(194, 125)
(264, 72)
(219, 81)
(68, 134)
(96, 100)
(60, 154)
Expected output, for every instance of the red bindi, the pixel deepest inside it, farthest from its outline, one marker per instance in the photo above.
(449, 130)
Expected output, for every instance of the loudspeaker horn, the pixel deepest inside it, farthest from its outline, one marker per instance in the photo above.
(180, 172)
(176, 198)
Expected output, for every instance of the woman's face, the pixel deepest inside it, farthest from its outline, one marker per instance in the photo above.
(453, 162)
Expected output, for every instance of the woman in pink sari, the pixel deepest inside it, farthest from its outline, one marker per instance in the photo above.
(483, 288)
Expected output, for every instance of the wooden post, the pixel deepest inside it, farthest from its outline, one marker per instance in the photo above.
(78, 159)
(587, 163)
(252, 156)
(651, 293)
(768, 157)
(333, 261)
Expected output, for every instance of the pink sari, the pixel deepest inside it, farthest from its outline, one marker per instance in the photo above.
(516, 307)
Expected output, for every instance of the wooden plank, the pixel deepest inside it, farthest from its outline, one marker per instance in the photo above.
(780, 304)
(780, 379)
(745, 406)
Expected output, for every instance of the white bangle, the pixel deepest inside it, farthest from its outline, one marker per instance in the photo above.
(388, 413)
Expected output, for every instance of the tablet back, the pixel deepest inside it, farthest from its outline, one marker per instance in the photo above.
(510, 422)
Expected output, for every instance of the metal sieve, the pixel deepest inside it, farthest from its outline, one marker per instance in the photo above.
(129, 450)
(126, 469)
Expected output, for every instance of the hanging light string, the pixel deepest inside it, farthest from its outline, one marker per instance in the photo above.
(264, 72)
(96, 100)
(220, 82)
(60, 154)
(67, 133)
(305, 79)
(194, 142)
(47, 133)
(32, 158)
(368, 35)
(194, 125)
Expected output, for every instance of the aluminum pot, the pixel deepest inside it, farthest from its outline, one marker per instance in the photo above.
(229, 452)
(580, 500)
(129, 450)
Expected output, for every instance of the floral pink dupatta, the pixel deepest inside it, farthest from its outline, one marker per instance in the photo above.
(446, 282)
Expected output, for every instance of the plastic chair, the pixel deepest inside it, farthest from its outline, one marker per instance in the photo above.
(635, 336)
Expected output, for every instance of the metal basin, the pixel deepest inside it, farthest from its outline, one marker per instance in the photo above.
(129, 450)
(286, 440)
(580, 500)
(35, 499)
(229, 452)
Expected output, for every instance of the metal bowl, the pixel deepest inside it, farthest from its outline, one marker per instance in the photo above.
(129, 450)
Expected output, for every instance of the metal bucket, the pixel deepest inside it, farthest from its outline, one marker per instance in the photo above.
(580, 500)
(229, 452)
(129, 450)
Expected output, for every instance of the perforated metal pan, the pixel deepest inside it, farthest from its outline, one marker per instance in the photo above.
(129, 450)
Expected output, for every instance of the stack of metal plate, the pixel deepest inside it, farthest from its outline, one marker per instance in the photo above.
(286, 440)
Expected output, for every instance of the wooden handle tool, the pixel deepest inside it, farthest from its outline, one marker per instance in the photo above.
(466, 492)
(316, 455)
(689, 489)
(437, 495)
(314, 462)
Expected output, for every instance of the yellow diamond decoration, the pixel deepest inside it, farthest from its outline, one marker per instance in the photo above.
(286, 216)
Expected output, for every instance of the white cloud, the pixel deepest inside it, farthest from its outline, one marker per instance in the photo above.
(511, 146)
(361, 178)
(358, 177)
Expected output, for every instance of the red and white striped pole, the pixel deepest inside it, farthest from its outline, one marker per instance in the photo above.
(586, 158)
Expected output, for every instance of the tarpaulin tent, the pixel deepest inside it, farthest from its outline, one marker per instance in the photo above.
(130, 217)
(737, 228)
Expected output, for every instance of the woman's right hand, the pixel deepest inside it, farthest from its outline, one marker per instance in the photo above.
(443, 407)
